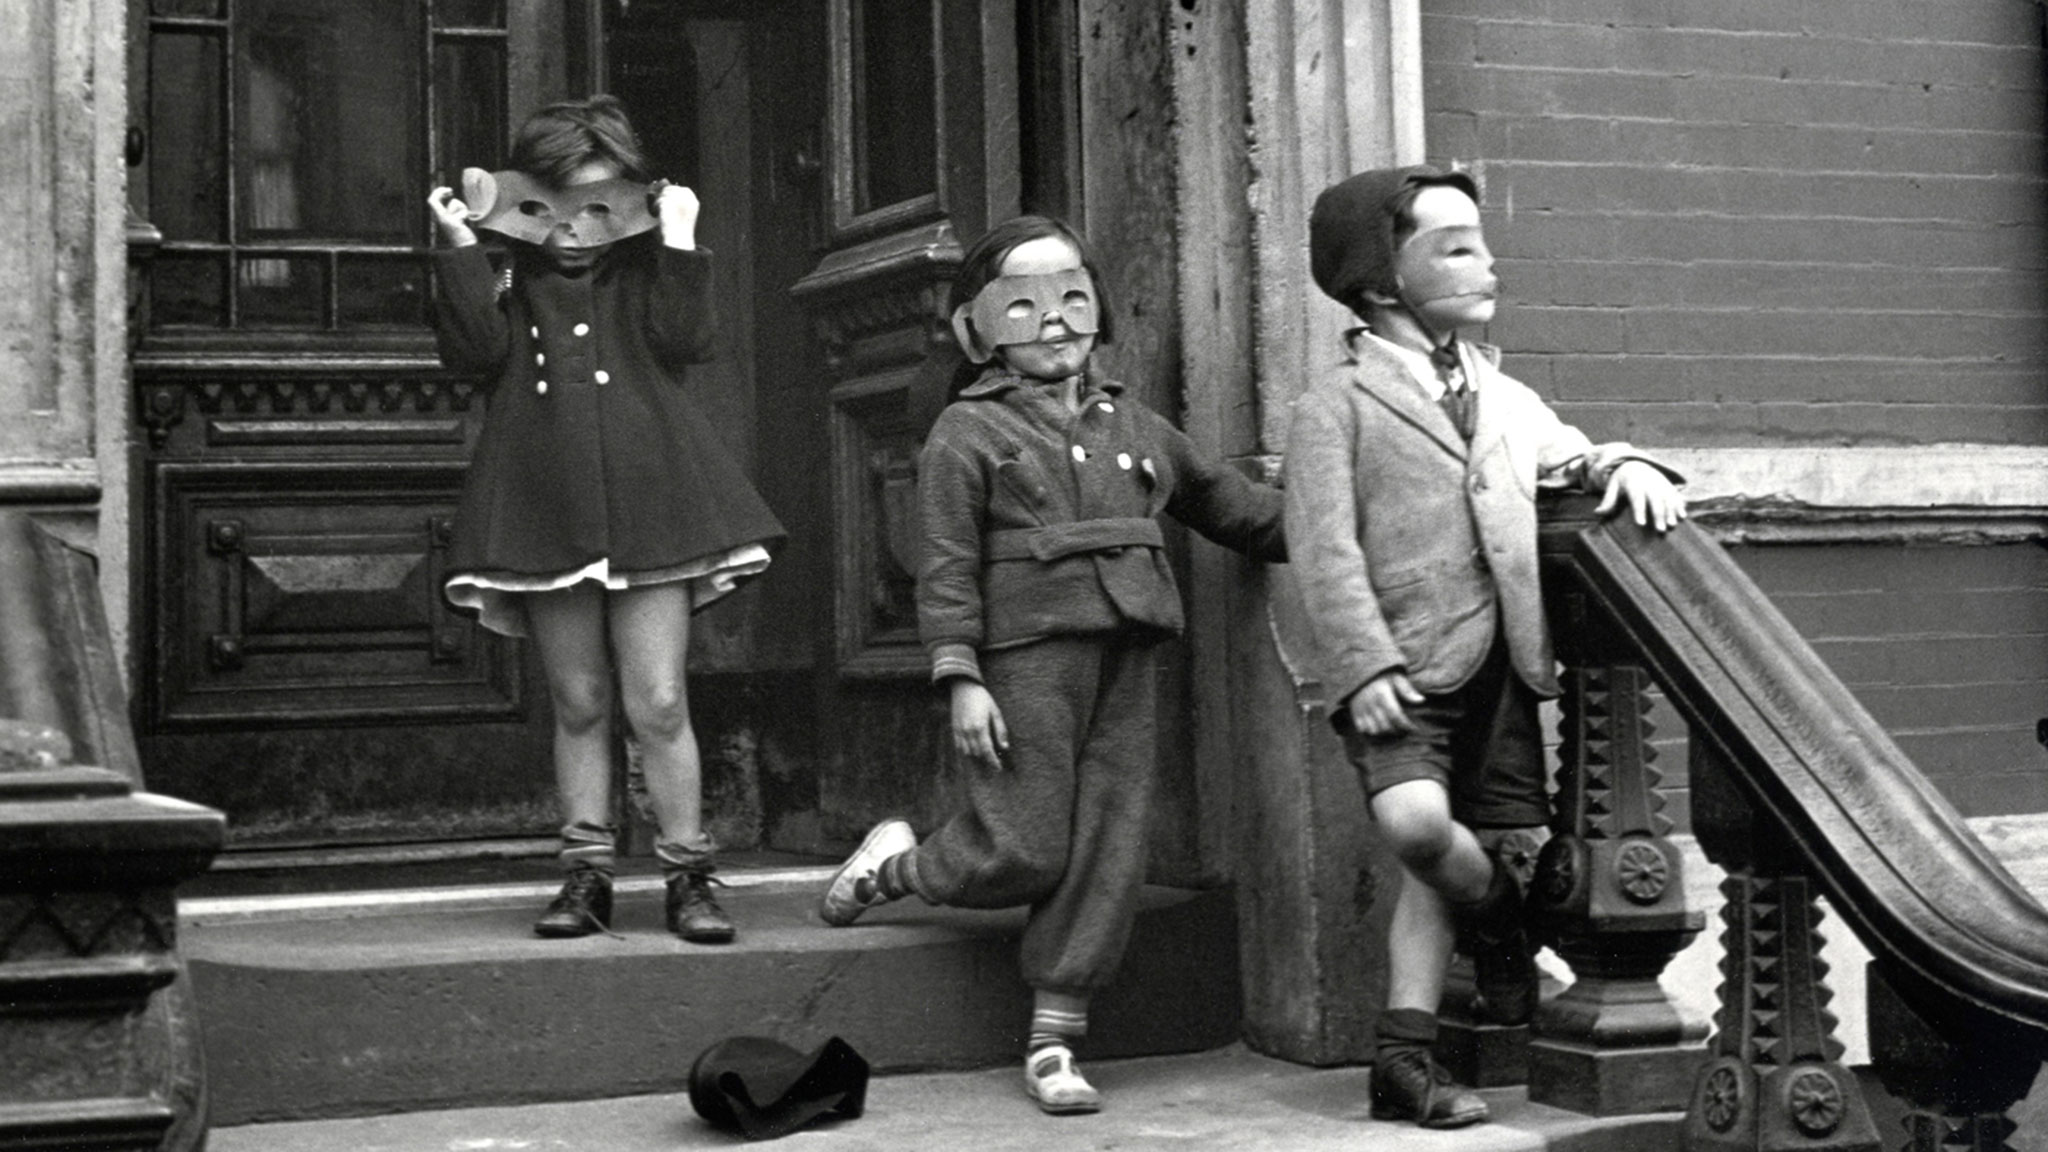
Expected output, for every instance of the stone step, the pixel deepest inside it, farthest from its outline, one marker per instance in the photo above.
(1224, 1100)
(356, 1003)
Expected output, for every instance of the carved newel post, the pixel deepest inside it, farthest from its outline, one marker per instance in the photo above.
(98, 1045)
(1775, 1078)
(1609, 888)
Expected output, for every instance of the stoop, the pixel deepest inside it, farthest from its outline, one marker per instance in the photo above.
(359, 1003)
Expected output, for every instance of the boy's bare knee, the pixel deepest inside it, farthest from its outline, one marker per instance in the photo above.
(1421, 843)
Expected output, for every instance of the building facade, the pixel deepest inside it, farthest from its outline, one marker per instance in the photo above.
(1799, 248)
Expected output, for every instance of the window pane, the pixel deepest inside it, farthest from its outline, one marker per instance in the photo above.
(895, 124)
(282, 291)
(469, 88)
(185, 174)
(382, 292)
(328, 118)
(187, 289)
(469, 14)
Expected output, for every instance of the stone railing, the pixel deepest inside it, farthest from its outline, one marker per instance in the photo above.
(99, 1047)
(1797, 794)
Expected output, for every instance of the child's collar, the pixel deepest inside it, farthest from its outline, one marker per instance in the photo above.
(996, 380)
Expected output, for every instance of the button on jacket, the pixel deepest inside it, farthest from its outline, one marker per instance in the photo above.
(1038, 521)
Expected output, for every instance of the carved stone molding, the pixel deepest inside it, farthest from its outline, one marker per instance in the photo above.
(879, 309)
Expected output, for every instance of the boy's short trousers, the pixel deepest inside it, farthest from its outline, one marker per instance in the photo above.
(1481, 741)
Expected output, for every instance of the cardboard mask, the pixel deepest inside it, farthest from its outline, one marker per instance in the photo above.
(1009, 310)
(1426, 273)
(514, 204)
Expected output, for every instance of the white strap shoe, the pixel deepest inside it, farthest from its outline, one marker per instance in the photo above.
(1052, 1080)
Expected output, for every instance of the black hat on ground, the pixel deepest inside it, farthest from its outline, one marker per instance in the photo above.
(762, 1088)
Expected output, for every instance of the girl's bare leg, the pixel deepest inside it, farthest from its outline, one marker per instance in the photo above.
(568, 628)
(650, 631)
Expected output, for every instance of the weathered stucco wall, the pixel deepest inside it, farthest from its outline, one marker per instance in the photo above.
(62, 112)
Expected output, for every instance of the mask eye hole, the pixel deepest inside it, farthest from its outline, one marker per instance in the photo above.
(533, 208)
(1021, 310)
(598, 210)
(1076, 301)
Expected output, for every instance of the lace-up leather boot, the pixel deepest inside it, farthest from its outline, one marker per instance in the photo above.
(583, 906)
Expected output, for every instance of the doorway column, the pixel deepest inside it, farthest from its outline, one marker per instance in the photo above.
(63, 449)
(1321, 89)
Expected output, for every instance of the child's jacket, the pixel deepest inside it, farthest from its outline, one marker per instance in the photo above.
(1038, 522)
(1413, 549)
(594, 445)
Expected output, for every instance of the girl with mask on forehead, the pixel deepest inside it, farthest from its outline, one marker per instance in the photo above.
(601, 509)
(1043, 594)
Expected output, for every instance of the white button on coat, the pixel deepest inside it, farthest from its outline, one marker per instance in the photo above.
(1123, 461)
(1080, 454)
(541, 386)
(601, 376)
(581, 329)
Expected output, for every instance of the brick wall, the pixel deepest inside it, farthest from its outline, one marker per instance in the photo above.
(1759, 222)
(1947, 648)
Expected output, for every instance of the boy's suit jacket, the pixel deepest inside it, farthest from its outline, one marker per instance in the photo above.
(1411, 548)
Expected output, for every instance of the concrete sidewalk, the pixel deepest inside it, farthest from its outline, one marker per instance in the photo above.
(1228, 1099)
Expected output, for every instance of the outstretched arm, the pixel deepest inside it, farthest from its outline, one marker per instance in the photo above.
(1221, 503)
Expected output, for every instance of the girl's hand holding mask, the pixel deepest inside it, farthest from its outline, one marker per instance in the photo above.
(676, 207)
(451, 216)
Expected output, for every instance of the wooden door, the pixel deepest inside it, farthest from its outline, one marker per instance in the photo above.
(300, 446)
(301, 449)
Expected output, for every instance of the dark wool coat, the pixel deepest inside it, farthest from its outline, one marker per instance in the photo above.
(593, 445)
(1038, 522)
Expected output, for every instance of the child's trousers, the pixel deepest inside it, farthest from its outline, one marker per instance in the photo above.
(1062, 826)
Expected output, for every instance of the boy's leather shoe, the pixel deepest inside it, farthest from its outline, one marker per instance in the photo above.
(583, 906)
(693, 912)
(1407, 1084)
(854, 888)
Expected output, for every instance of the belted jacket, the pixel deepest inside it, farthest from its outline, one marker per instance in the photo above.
(1038, 521)
(1413, 549)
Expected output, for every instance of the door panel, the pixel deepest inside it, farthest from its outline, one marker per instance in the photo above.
(301, 448)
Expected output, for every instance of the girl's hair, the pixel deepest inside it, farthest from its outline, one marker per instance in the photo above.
(984, 261)
(561, 138)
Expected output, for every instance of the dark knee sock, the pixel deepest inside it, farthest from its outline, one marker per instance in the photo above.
(1406, 1028)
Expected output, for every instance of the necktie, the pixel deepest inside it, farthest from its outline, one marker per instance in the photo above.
(1457, 397)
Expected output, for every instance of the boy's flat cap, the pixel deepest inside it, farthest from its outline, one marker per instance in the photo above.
(1351, 228)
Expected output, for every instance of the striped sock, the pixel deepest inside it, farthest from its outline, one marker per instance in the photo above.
(894, 878)
(586, 845)
(1057, 1019)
